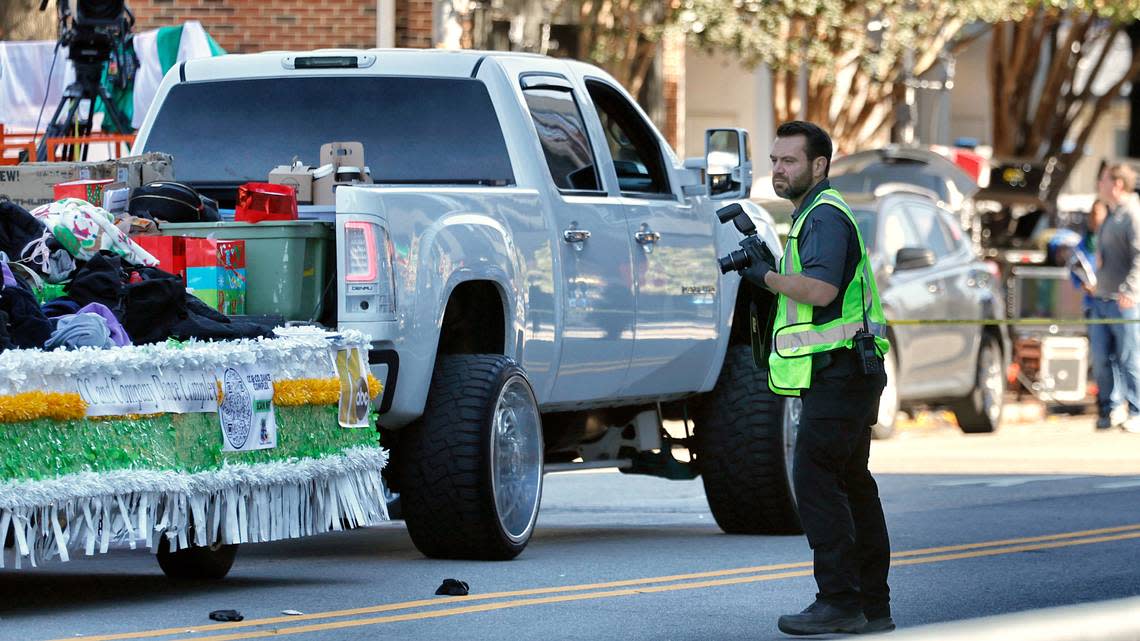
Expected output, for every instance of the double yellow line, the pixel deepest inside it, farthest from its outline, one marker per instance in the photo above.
(454, 606)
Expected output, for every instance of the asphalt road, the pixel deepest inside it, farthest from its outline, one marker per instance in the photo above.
(641, 558)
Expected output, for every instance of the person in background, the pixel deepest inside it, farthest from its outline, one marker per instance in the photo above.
(1118, 288)
(1111, 411)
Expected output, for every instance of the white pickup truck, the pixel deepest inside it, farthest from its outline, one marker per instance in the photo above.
(536, 268)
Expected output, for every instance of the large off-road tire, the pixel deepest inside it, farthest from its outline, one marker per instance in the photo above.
(884, 426)
(210, 563)
(745, 437)
(470, 468)
(980, 412)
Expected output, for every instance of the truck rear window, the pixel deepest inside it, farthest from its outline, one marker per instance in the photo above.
(414, 130)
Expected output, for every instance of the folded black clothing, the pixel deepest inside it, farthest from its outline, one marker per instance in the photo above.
(5, 339)
(154, 307)
(99, 280)
(26, 325)
(18, 229)
(61, 306)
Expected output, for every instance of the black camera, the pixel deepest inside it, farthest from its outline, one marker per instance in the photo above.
(740, 259)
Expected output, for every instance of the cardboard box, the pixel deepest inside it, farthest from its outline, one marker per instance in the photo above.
(298, 176)
(32, 184)
(89, 190)
(342, 154)
(169, 250)
(136, 171)
(338, 158)
(324, 183)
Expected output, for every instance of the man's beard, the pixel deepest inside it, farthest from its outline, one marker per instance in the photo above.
(797, 186)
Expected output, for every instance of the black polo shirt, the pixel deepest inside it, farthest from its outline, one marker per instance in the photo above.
(829, 250)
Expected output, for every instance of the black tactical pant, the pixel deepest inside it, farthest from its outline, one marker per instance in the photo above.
(837, 497)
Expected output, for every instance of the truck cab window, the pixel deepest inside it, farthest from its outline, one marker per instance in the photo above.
(637, 156)
(565, 144)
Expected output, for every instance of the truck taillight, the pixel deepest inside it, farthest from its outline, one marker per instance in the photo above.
(360, 259)
(369, 281)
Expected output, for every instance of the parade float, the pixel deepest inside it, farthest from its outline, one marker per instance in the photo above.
(186, 448)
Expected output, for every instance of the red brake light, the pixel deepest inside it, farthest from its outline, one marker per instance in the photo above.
(361, 259)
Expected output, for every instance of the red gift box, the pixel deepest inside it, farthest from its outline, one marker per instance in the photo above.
(265, 201)
(169, 250)
(211, 252)
(89, 190)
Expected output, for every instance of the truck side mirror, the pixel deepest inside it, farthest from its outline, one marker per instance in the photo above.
(729, 163)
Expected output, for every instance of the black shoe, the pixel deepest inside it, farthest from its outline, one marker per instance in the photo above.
(822, 618)
(879, 624)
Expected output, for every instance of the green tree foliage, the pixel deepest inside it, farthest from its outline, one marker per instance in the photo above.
(1044, 60)
(837, 62)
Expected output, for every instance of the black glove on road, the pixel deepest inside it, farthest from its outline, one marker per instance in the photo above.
(762, 261)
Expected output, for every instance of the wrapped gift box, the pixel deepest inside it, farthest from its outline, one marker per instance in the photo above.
(89, 190)
(215, 273)
(169, 250)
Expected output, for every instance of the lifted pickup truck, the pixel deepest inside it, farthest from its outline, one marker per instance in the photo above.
(536, 268)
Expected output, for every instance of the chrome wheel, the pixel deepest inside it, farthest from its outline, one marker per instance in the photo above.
(992, 381)
(516, 458)
(980, 411)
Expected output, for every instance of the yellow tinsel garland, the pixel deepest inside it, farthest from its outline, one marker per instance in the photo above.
(316, 391)
(30, 406)
(64, 406)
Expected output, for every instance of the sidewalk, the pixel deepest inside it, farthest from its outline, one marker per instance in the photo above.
(1028, 442)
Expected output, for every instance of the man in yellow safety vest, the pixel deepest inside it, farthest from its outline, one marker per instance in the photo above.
(827, 345)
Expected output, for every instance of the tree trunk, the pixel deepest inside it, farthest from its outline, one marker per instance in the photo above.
(22, 20)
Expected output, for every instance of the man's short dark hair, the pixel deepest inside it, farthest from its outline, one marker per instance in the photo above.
(818, 142)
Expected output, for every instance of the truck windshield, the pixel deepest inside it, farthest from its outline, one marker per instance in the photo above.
(414, 130)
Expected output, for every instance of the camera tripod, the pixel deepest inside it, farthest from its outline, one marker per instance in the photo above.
(73, 116)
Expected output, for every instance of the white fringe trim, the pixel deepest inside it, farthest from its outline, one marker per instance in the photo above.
(239, 503)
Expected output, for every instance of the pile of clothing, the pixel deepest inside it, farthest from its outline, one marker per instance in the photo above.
(112, 294)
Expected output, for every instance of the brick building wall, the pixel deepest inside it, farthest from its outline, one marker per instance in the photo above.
(414, 23)
(246, 26)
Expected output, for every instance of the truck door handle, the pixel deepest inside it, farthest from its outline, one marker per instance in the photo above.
(646, 236)
(575, 235)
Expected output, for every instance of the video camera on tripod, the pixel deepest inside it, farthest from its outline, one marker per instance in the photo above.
(94, 35)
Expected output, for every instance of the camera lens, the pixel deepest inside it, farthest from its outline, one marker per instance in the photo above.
(734, 261)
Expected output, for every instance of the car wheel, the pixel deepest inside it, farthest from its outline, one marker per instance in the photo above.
(209, 563)
(981, 411)
(471, 467)
(884, 427)
(744, 436)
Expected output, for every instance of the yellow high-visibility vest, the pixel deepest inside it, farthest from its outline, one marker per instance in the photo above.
(795, 337)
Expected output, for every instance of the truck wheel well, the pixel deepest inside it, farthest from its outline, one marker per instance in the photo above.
(474, 322)
(740, 333)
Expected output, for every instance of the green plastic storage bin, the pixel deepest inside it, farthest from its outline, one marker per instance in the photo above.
(285, 262)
